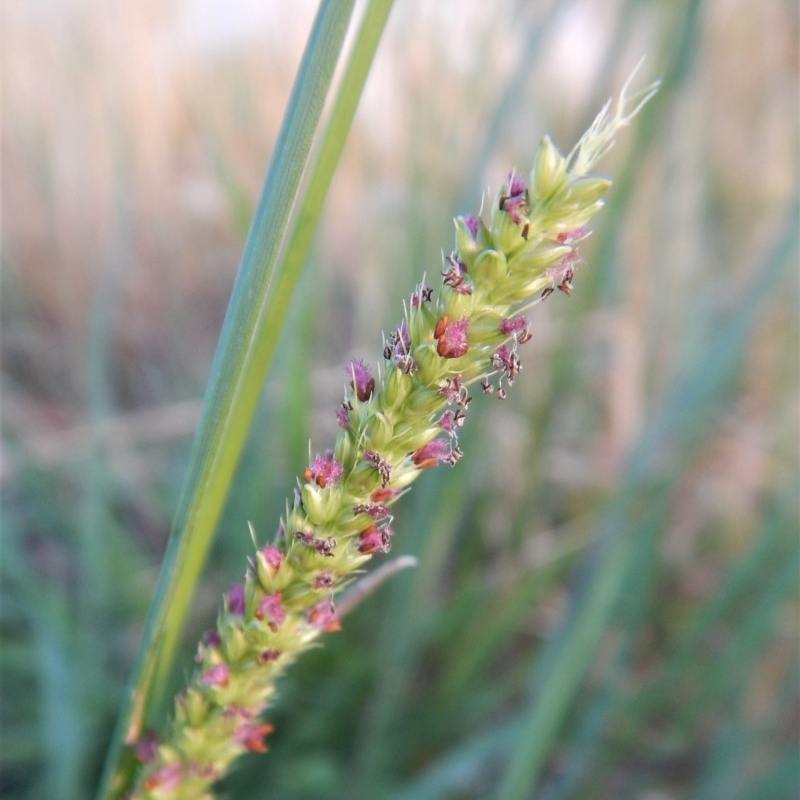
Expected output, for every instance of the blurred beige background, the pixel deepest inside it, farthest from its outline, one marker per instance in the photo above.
(136, 136)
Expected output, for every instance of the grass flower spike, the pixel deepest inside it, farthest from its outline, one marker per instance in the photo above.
(395, 420)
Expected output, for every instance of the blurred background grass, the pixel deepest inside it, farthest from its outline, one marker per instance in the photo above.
(650, 444)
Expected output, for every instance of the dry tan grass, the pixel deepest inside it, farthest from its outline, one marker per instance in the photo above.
(135, 133)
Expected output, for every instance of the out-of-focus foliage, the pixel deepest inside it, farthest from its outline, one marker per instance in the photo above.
(606, 601)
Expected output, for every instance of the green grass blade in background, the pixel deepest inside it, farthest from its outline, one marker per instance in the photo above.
(559, 670)
(681, 45)
(237, 376)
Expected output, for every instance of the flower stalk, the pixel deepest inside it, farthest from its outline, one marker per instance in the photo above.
(395, 422)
